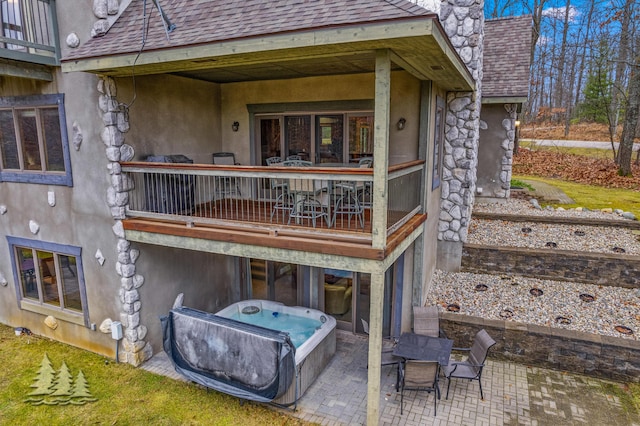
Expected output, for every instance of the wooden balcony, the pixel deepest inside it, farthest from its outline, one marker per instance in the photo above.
(272, 206)
(29, 34)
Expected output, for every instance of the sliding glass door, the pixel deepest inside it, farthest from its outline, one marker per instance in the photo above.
(332, 138)
(277, 281)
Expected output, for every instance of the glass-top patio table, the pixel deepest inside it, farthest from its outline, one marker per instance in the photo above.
(423, 348)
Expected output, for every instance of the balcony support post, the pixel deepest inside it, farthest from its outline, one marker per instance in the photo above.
(381, 148)
(375, 347)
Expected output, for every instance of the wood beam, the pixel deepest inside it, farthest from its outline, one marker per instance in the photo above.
(25, 70)
(288, 241)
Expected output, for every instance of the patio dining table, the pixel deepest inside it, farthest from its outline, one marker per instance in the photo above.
(413, 346)
(424, 348)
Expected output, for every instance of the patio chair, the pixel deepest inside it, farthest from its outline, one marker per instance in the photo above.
(284, 201)
(426, 321)
(388, 358)
(226, 185)
(419, 376)
(471, 368)
(310, 201)
(366, 160)
(294, 157)
(349, 199)
(365, 199)
(273, 160)
(296, 162)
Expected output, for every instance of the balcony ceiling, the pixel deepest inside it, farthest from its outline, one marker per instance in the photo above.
(418, 45)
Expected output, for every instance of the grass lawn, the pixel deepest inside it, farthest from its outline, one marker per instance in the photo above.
(592, 197)
(125, 395)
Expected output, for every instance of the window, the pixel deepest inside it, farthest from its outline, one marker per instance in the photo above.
(34, 146)
(49, 279)
(437, 143)
(360, 136)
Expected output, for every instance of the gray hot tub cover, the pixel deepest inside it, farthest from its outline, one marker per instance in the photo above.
(236, 358)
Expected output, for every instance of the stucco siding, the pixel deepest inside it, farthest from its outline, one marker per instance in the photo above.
(172, 115)
(209, 282)
(80, 216)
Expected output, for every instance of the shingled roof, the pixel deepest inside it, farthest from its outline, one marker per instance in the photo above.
(507, 44)
(207, 21)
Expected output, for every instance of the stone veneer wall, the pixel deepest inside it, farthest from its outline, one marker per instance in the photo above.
(116, 123)
(563, 265)
(591, 354)
(463, 22)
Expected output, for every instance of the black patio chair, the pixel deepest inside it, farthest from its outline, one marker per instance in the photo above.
(471, 368)
(427, 322)
(419, 376)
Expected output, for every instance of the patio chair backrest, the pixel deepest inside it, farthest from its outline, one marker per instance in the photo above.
(426, 321)
(294, 157)
(224, 158)
(305, 185)
(420, 374)
(297, 163)
(480, 348)
(273, 160)
(366, 162)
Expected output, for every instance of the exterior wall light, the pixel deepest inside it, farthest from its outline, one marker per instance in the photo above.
(401, 123)
(235, 126)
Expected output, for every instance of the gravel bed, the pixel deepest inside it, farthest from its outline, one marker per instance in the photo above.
(554, 236)
(509, 298)
(524, 207)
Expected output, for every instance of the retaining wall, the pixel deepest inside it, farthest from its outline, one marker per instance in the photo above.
(590, 354)
(563, 265)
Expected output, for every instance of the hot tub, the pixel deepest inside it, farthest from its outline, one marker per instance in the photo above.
(315, 344)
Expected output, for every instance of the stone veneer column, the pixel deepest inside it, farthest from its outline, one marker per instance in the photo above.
(463, 21)
(116, 122)
(509, 126)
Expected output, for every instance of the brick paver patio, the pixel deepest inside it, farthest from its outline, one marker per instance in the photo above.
(514, 395)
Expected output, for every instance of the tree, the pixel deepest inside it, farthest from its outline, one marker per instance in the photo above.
(632, 113)
(597, 96)
(625, 16)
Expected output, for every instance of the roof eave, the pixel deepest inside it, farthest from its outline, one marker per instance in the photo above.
(400, 35)
(504, 99)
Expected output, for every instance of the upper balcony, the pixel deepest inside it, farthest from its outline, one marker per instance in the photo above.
(29, 31)
(334, 209)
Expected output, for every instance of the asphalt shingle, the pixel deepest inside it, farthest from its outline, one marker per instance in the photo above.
(209, 21)
(507, 47)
